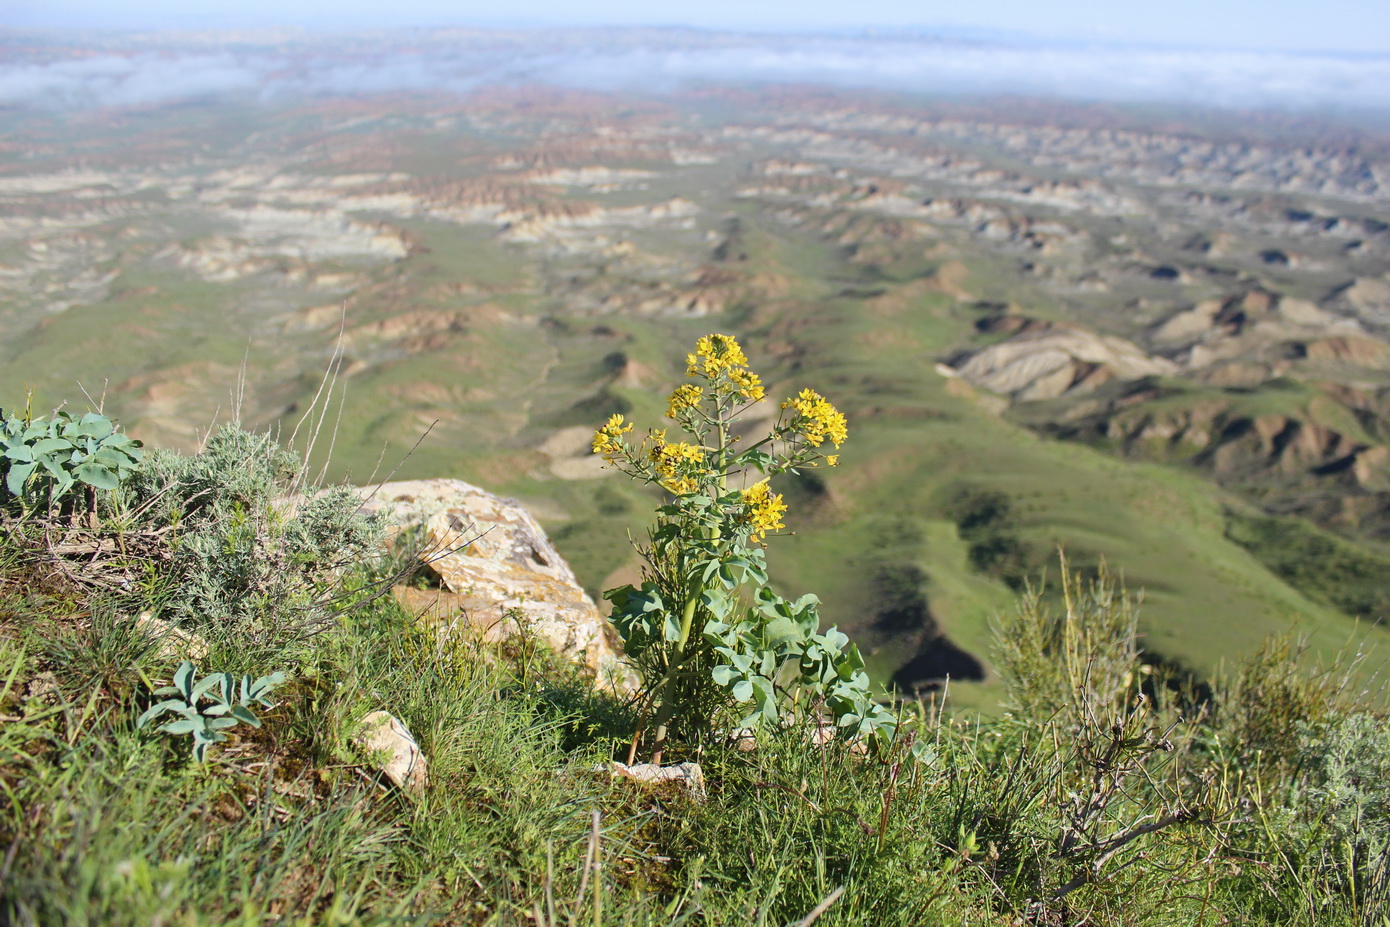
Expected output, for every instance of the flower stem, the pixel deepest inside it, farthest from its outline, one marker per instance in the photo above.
(667, 707)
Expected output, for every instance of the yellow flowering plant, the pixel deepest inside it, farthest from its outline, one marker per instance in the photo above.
(711, 640)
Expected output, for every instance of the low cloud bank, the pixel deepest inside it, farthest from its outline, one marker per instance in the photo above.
(135, 76)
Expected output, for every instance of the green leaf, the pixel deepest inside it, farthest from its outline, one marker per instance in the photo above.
(154, 711)
(717, 603)
(766, 697)
(619, 592)
(97, 425)
(245, 715)
(726, 576)
(49, 446)
(208, 682)
(183, 726)
(259, 690)
(762, 460)
(670, 628)
(782, 630)
(19, 474)
(183, 679)
(97, 475)
(924, 753)
(113, 456)
(743, 690)
(717, 632)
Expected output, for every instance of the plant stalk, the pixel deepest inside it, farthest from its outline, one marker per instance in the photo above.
(668, 682)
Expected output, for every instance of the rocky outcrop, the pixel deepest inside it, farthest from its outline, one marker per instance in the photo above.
(1307, 445)
(497, 571)
(1044, 361)
(1264, 327)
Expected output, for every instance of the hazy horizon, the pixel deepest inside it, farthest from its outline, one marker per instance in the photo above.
(65, 69)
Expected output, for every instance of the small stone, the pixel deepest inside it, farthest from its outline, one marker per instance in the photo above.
(172, 642)
(393, 751)
(687, 776)
(43, 688)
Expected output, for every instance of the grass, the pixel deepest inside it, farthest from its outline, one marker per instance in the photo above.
(1086, 803)
(1321, 565)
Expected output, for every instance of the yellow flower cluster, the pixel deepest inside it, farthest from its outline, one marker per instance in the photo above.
(765, 510)
(685, 397)
(817, 420)
(748, 383)
(717, 355)
(678, 465)
(714, 353)
(608, 440)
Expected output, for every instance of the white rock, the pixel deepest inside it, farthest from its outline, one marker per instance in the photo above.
(171, 642)
(687, 776)
(492, 551)
(1045, 363)
(394, 751)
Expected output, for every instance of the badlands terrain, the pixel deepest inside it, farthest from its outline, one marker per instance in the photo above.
(1156, 337)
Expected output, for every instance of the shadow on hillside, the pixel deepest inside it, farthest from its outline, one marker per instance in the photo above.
(936, 659)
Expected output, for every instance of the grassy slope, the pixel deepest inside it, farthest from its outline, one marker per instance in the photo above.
(110, 825)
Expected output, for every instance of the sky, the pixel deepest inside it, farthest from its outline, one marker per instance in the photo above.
(1357, 26)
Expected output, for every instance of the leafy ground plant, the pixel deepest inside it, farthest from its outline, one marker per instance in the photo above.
(208, 723)
(704, 628)
(44, 459)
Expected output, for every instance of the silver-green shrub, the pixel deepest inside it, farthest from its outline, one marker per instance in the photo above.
(1336, 815)
(247, 551)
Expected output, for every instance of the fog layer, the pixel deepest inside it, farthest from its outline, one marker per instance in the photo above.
(143, 70)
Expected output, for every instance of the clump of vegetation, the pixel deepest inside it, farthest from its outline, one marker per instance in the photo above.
(253, 552)
(705, 629)
(207, 724)
(43, 460)
(1335, 814)
(988, 524)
